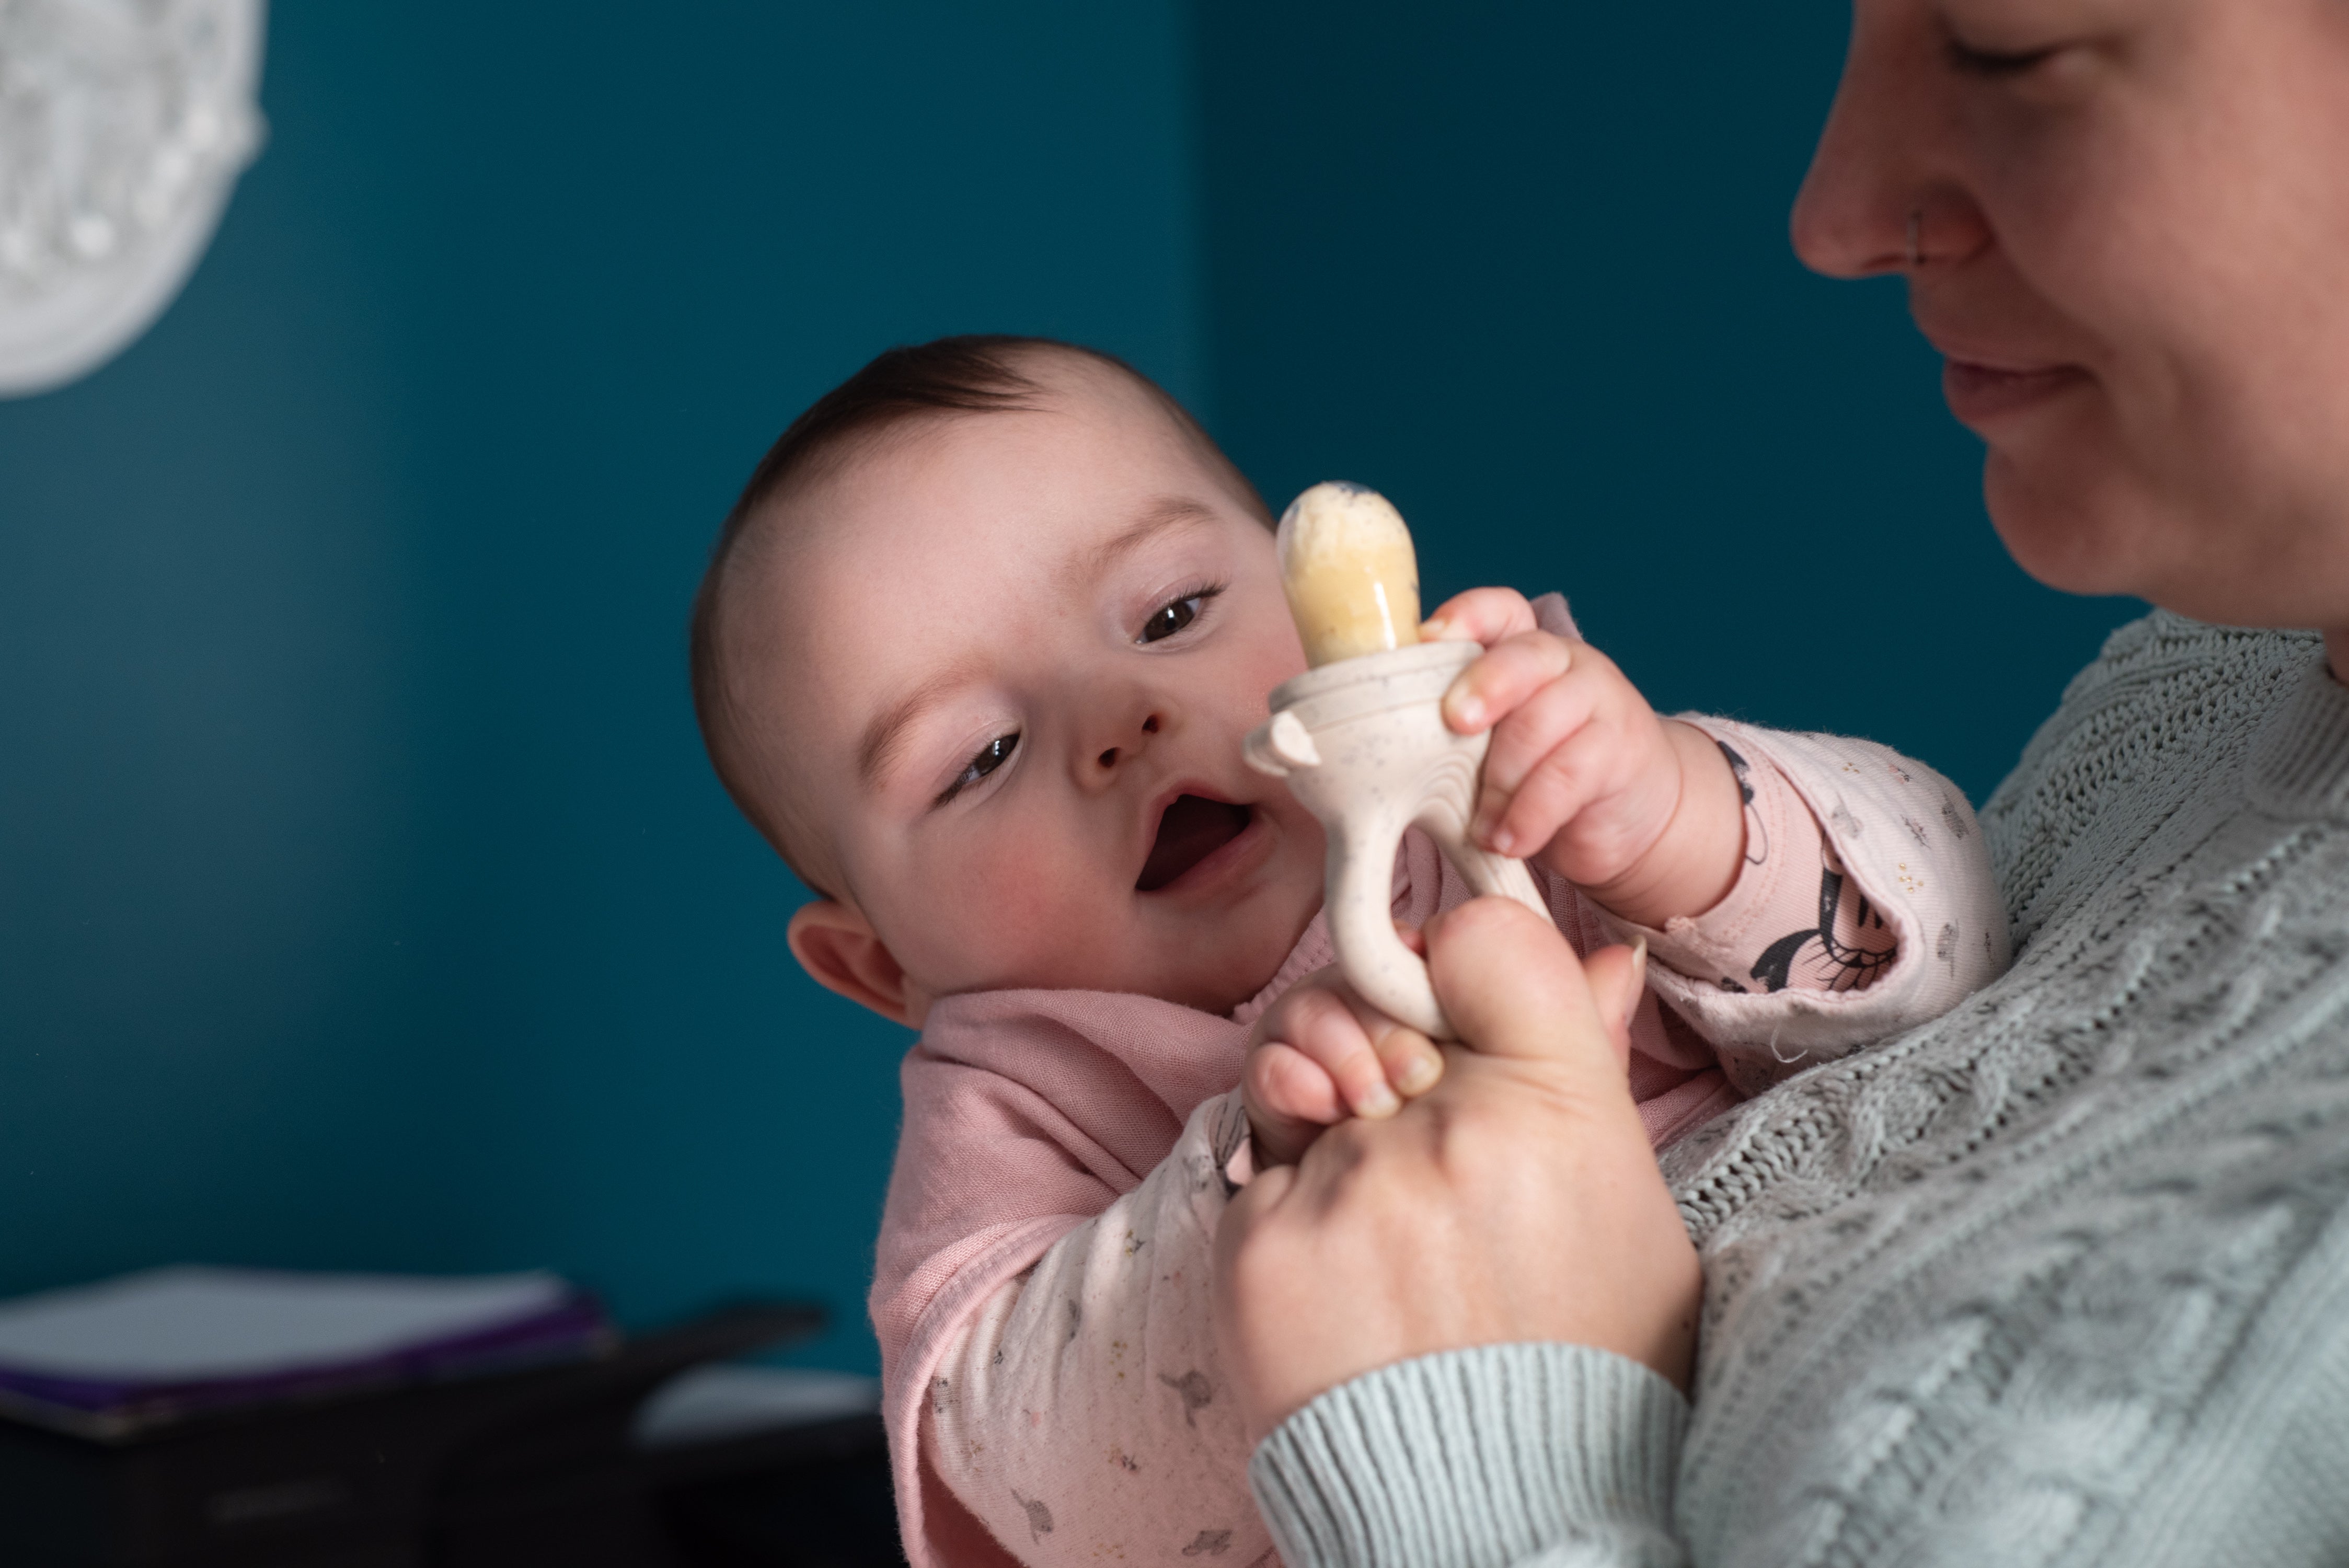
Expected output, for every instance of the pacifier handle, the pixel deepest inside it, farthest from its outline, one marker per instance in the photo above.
(1364, 747)
(1387, 973)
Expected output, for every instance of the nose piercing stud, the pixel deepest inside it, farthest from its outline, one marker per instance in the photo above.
(1360, 737)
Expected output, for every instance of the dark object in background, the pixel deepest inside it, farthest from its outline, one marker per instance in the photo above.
(154, 1349)
(835, 1511)
(507, 1471)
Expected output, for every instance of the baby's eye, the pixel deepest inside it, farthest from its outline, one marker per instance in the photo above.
(1174, 614)
(991, 756)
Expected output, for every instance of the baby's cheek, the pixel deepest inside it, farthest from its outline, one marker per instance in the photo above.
(1273, 654)
(1023, 910)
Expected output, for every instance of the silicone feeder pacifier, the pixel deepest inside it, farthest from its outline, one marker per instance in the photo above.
(1360, 737)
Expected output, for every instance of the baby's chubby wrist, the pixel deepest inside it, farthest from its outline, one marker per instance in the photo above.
(1695, 861)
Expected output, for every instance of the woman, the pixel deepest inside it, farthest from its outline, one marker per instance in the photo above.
(2064, 1276)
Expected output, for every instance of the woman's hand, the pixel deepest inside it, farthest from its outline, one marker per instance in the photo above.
(1516, 1200)
(1642, 814)
(1322, 1054)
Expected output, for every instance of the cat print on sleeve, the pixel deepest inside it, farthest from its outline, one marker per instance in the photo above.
(1851, 943)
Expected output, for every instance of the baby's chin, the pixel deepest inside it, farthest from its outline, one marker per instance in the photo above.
(1214, 966)
(1233, 964)
(1211, 953)
(1218, 994)
(1200, 983)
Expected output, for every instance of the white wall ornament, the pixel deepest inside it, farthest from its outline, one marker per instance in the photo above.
(123, 127)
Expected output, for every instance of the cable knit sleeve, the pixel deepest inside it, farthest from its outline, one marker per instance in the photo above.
(1880, 876)
(1083, 1414)
(1536, 1455)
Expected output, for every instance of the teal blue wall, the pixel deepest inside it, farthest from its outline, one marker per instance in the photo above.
(364, 900)
(1524, 268)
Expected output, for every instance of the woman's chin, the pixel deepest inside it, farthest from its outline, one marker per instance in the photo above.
(2103, 542)
(2064, 534)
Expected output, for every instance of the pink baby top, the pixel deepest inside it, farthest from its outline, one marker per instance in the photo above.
(1051, 1378)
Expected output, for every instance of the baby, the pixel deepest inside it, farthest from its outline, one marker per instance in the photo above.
(976, 652)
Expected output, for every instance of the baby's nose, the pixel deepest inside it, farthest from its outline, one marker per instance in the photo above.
(1110, 757)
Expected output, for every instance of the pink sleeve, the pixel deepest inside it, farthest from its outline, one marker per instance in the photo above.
(1867, 907)
(1795, 920)
(1867, 904)
(1082, 1413)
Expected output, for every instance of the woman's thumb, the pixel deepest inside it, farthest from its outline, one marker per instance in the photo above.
(1618, 978)
(1511, 985)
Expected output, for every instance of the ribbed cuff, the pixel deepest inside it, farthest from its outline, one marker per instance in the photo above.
(1473, 1459)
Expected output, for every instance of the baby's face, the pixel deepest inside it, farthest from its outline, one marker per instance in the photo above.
(1016, 657)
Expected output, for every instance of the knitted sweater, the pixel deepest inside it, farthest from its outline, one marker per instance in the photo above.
(2062, 1277)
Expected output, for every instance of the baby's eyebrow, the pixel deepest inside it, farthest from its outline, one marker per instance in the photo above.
(884, 737)
(1161, 515)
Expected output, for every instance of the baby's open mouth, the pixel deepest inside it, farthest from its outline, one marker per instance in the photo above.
(1191, 830)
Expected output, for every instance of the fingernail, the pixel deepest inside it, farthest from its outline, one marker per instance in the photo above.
(1378, 1102)
(1432, 631)
(1468, 713)
(1419, 1075)
(1504, 842)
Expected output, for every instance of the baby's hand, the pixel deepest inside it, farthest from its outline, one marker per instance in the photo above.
(1320, 1054)
(1641, 813)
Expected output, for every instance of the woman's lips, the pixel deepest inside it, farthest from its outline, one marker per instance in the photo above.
(1978, 393)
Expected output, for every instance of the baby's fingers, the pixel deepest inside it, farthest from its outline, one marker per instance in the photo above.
(1290, 1100)
(1285, 1085)
(1544, 761)
(1316, 1023)
(1479, 615)
(1511, 672)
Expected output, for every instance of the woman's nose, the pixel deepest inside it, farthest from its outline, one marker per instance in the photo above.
(1837, 228)
(1887, 191)
(1849, 221)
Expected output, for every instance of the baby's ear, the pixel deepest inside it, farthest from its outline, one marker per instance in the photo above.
(841, 951)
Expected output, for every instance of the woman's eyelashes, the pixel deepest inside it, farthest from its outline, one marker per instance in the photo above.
(1178, 613)
(1994, 64)
(988, 758)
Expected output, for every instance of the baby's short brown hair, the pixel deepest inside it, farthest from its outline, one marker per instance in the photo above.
(973, 373)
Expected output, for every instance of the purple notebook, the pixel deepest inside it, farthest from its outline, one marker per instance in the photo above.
(115, 1360)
